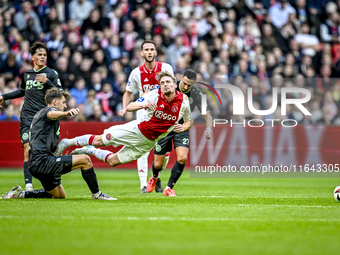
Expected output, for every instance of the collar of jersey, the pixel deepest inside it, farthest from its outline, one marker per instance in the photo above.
(156, 63)
(54, 108)
(39, 69)
(164, 98)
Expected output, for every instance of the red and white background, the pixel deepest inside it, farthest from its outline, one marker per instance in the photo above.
(237, 146)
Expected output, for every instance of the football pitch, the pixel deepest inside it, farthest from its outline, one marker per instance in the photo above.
(208, 216)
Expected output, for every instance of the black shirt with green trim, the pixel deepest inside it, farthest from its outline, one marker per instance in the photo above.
(34, 91)
(195, 98)
(44, 136)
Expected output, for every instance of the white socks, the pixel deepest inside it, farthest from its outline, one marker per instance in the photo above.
(142, 167)
(79, 140)
(99, 154)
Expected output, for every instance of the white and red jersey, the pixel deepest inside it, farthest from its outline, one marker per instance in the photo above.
(145, 80)
(160, 122)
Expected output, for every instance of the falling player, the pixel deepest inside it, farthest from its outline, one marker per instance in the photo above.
(34, 84)
(47, 168)
(180, 140)
(165, 106)
(143, 79)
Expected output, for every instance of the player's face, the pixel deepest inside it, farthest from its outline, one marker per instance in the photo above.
(40, 57)
(61, 104)
(186, 84)
(167, 85)
(149, 52)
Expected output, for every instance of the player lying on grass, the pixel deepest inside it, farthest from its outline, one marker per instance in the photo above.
(43, 165)
(164, 108)
(180, 140)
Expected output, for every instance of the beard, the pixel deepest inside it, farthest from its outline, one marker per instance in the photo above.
(146, 60)
(167, 93)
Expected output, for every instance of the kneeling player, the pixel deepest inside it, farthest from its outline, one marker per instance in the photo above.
(43, 165)
(164, 108)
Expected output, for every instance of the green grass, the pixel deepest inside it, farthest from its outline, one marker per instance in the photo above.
(208, 216)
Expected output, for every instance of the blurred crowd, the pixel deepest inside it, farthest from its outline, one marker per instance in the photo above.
(95, 44)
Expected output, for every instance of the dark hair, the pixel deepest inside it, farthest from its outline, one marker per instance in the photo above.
(191, 74)
(38, 45)
(55, 93)
(147, 41)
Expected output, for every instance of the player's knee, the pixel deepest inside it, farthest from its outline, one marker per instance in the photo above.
(87, 161)
(182, 159)
(158, 164)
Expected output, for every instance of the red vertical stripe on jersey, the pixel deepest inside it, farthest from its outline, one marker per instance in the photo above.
(148, 78)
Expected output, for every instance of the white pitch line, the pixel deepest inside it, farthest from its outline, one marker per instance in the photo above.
(167, 219)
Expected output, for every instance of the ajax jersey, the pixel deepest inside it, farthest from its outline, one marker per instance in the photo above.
(145, 80)
(160, 122)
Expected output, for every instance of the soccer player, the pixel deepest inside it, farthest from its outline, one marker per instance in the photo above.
(164, 108)
(43, 165)
(180, 140)
(34, 84)
(143, 79)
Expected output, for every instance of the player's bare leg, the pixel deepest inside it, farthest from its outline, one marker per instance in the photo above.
(177, 170)
(142, 167)
(27, 174)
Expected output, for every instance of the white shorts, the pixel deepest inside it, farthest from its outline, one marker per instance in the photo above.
(129, 135)
(141, 115)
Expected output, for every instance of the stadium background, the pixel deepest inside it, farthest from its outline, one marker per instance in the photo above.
(221, 40)
(94, 45)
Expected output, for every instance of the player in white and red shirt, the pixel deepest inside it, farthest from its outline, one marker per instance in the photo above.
(164, 108)
(143, 79)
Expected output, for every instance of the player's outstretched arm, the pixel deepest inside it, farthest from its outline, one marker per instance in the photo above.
(55, 115)
(126, 101)
(135, 106)
(15, 94)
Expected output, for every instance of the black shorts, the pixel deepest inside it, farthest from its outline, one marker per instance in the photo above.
(164, 145)
(25, 124)
(49, 170)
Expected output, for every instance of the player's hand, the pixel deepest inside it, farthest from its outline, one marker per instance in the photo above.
(1, 101)
(122, 112)
(178, 128)
(152, 106)
(207, 133)
(41, 78)
(73, 112)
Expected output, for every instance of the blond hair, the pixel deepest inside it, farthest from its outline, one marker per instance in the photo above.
(164, 74)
